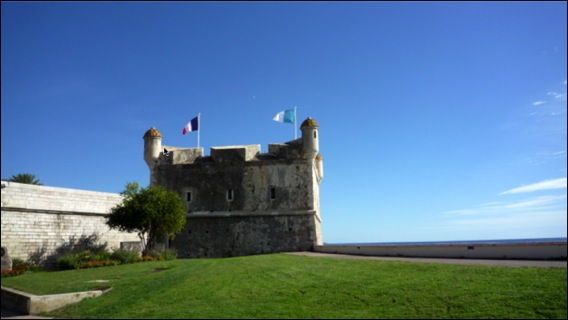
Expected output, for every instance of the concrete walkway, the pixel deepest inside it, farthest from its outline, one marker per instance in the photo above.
(467, 262)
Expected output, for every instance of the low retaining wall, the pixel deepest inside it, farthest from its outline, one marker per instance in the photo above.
(31, 304)
(528, 251)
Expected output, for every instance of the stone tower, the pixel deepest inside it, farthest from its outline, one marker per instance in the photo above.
(310, 145)
(310, 139)
(152, 149)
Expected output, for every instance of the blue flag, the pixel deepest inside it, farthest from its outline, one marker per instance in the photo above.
(286, 116)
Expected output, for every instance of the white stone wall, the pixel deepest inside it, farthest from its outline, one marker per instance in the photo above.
(39, 216)
(28, 196)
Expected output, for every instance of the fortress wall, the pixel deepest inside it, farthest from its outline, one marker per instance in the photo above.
(216, 235)
(273, 206)
(35, 217)
(250, 181)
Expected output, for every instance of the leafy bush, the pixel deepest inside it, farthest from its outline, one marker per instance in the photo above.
(84, 252)
(25, 266)
(19, 266)
(68, 261)
(85, 259)
(149, 258)
(90, 243)
(17, 262)
(11, 272)
(125, 256)
(102, 256)
(98, 263)
(170, 254)
(84, 256)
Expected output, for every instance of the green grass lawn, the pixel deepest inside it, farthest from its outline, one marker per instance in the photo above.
(290, 286)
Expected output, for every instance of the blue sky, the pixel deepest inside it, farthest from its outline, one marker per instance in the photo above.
(438, 121)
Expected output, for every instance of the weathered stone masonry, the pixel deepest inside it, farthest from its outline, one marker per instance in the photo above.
(241, 201)
(40, 216)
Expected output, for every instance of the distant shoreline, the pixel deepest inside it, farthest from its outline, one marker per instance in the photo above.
(503, 241)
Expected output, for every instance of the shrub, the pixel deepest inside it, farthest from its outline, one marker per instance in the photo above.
(149, 258)
(17, 262)
(68, 261)
(90, 243)
(102, 256)
(170, 254)
(19, 266)
(125, 256)
(11, 273)
(84, 256)
(25, 266)
(155, 254)
(98, 263)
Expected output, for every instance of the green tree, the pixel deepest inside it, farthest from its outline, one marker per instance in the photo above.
(131, 189)
(25, 178)
(151, 212)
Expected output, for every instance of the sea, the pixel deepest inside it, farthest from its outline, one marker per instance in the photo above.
(530, 240)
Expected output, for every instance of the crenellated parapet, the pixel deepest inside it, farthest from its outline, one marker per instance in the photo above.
(178, 155)
(235, 153)
(307, 148)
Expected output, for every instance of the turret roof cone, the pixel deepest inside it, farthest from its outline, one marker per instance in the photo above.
(309, 122)
(152, 132)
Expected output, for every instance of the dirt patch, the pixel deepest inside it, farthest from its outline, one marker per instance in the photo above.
(159, 270)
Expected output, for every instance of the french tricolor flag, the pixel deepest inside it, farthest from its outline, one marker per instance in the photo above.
(193, 125)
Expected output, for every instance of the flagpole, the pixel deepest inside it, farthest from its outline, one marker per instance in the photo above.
(295, 123)
(198, 127)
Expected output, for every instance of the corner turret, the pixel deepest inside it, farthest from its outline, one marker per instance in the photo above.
(310, 139)
(152, 146)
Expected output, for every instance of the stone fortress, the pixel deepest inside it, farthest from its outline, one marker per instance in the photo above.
(241, 201)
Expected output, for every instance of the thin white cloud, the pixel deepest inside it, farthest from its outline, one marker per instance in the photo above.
(541, 216)
(538, 103)
(544, 185)
(555, 94)
(534, 205)
(553, 219)
(557, 154)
